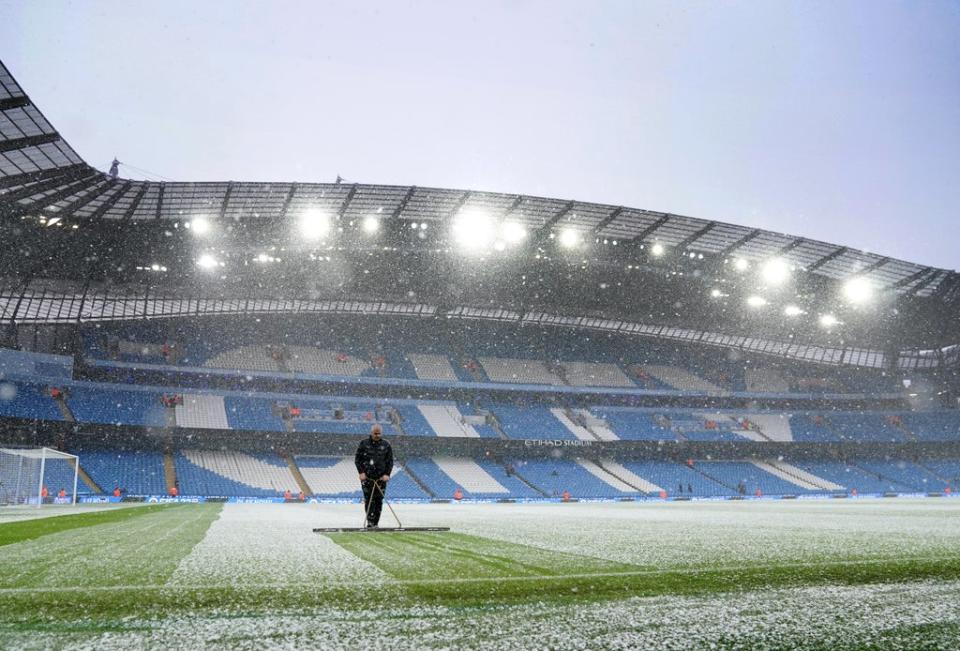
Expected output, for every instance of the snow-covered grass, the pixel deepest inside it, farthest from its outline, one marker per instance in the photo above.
(20, 512)
(826, 574)
(244, 547)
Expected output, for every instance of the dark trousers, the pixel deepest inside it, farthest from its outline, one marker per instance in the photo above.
(373, 499)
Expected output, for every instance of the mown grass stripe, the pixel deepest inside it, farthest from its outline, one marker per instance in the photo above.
(21, 530)
(766, 567)
(418, 556)
(142, 600)
(144, 549)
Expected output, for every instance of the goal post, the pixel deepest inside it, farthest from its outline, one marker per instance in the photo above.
(38, 475)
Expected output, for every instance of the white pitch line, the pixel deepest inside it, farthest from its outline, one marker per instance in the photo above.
(498, 579)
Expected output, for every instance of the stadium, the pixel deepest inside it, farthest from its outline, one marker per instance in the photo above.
(640, 429)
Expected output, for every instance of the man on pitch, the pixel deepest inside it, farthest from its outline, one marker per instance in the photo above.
(374, 462)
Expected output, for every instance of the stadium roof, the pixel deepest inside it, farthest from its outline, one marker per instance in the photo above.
(42, 176)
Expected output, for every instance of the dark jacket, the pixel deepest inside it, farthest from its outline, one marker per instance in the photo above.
(374, 459)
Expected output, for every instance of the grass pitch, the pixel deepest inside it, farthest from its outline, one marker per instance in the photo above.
(825, 574)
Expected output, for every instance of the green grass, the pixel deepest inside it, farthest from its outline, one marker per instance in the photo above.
(93, 551)
(14, 532)
(447, 555)
(75, 577)
(457, 570)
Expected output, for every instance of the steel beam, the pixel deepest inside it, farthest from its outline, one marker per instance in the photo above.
(17, 210)
(403, 202)
(833, 255)
(28, 141)
(346, 201)
(287, 200)
(693, 237)
(65, 174)
(609, 219)
(128, 215)
(226, 198)
(903, 282)
(14, 102)
(649, 230)
(544, 230)
(163, 187)
(743, 240)
(112, 201)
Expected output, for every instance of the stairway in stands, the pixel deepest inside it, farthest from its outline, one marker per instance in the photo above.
(629, 477)
(297, 475)
(419, 482)
(169, 470)
(87, 479)
(570, 421)
(603, 474)
(796, 476)
(529, 483)
(63, 407)
(711, 477)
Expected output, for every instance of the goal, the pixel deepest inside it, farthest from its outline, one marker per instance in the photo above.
(37, 476)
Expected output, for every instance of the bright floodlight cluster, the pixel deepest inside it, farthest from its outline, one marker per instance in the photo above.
(569, 238)
(775, 272)
(828, 320)
(792, 310)
(858, 290)
(371, 225)
(208, 262)
(476, 232)
(199, 226)
(314, 225)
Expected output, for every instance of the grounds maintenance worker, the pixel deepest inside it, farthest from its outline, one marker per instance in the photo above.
(374, 461)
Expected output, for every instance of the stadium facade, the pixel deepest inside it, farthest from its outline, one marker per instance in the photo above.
(233, 340)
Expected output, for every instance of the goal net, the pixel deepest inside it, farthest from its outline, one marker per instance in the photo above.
(38, 476)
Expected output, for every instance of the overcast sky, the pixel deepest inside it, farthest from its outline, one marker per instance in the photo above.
(832, 120)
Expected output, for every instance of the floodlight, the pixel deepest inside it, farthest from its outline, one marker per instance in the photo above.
(858, 290)
(740, 264)
(569, 238)
(473, 230)
(370, 224)
(207, 261)
(792, 310)
(314, 225)
(828, 320)
(657, 249)
(716, 293)
(513, 232)
(775, 271)
(756, 301)
(499, 245)
(199, 225)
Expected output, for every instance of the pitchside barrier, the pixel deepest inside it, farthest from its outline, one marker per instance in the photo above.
(195, 499)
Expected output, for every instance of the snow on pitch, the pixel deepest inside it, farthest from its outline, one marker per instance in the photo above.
(274, 544)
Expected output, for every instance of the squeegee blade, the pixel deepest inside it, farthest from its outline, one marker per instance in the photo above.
(378, 529)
